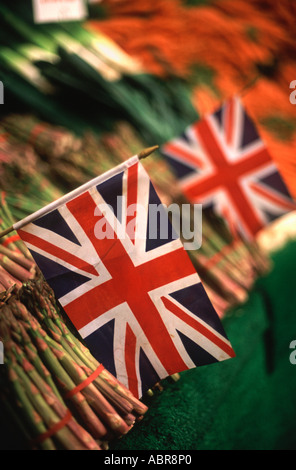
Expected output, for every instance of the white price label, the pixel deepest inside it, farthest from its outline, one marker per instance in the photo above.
(1, 354)
(1, 93)
(51, 11)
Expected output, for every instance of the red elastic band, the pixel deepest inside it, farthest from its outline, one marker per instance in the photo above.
(85, 383)
(219, 256)
(53, 430)
(9, 240)
(3, 137)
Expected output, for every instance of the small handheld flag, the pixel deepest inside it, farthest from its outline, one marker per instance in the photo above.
(222, 163)
(136, 299)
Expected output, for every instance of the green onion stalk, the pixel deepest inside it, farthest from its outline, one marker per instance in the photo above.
(73, 38)
(25, 69)
(160, 109)
(148, 103)
(21, 58)
(47, 107)
(99, 50)
(26, 32)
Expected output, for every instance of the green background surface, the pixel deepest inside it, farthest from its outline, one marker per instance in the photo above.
(247, 403)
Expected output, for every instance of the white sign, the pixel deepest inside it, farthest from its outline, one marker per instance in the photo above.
(293, 94)
(1, 353)
(52, 11)
(1, 93)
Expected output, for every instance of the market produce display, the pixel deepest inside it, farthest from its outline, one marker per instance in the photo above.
(83, 97)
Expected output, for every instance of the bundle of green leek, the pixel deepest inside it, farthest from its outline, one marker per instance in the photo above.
(78, 78)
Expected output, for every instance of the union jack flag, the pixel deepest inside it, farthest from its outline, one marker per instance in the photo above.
(136, 300)
(221, 162)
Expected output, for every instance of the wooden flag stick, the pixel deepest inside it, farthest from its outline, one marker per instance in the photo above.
(143, 154)
(6, 232)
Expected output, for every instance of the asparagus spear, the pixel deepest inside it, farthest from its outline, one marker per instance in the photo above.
(31, 417)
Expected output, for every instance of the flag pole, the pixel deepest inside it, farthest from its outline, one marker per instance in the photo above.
(145, 153)
(6, 232)
(141, 156)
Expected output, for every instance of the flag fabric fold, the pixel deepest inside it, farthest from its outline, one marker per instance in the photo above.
(222, 163)
(133, 295)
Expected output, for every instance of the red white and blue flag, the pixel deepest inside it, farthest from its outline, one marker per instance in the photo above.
(136, 300)
(222, 163)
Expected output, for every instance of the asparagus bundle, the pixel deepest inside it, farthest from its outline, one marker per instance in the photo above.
(23, 178)
(48, 141)
(16, 264)
(53, 376)
(72, 161)
(6, 220)
(67, 161)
